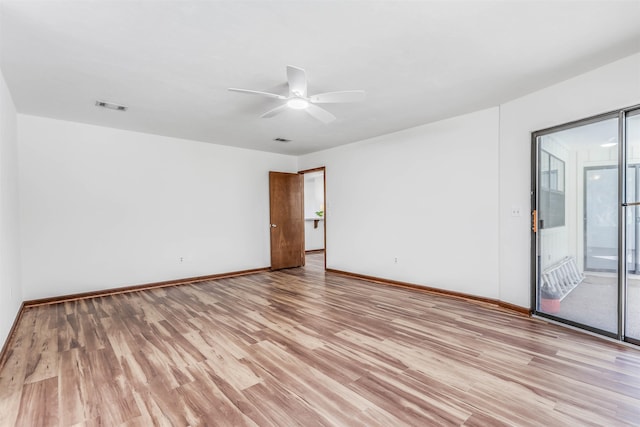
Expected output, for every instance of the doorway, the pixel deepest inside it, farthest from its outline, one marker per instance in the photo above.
(315, 212)
(586, 198)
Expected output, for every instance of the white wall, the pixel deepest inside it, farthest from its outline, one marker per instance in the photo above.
(313, 193)
(427, 196)
(613, 86)
(104, 208)
(10, 286)
(313, 235)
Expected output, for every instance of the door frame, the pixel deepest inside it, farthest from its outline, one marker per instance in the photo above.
(620, 114)
(322, 169)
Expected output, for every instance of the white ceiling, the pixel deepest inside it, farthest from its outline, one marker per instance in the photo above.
(170, 62)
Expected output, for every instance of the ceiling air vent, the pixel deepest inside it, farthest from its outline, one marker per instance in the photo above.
(111, 106)
(283, 140)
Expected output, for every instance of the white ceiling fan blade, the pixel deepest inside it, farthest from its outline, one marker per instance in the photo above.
(257, 92)
(320, 113)
(297, 79)
(339, 97)
(274, 112)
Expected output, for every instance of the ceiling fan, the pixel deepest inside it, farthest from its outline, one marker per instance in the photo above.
(298, 98)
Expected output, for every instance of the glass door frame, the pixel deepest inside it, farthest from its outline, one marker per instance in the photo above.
(621, 115)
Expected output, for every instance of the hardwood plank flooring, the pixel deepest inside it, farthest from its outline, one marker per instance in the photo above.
(301, 347)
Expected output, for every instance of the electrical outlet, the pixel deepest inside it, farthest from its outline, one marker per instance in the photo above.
(181, 260)
(395, 260)
(516, 211)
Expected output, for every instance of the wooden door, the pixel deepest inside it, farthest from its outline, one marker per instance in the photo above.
(286, 200)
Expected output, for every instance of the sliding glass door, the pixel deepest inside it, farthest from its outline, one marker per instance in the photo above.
(586, 229)
(631, 306)
(577, 196)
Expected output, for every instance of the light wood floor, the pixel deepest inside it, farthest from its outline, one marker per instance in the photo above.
(299, 347)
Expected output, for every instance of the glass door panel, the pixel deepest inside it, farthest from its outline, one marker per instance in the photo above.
(577, 201)
(601, 232)
(632, 317)
(601, 218)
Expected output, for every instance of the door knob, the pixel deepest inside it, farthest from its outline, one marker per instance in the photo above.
(273, 225)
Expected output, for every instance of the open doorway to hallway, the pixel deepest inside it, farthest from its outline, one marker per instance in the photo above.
(314, 211)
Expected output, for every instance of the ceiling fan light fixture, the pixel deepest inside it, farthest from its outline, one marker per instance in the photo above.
(298, 103)
(298, 99)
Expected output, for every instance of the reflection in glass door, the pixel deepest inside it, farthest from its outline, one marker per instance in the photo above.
(578, 208)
